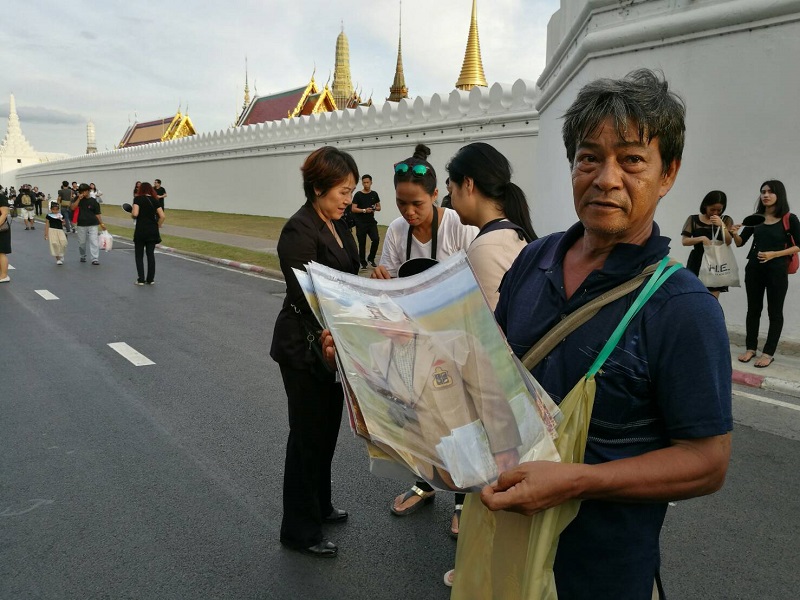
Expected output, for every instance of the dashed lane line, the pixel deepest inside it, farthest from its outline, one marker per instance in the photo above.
(134, 356)
(766, 400)
(47, 295)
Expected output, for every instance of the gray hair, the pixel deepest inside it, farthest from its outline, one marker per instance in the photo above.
(641, 98)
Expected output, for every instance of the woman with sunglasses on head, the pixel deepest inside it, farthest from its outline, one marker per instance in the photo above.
(315, 398)
(483, 195)
(767, 268)
(423, 230)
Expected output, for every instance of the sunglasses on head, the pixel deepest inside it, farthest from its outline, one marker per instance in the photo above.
(416, 170)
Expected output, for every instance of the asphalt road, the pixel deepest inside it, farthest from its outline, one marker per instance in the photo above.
(164, 481)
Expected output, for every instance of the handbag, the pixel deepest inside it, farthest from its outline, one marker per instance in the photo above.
(794, 259)
(318, 365)
(718, 267)
(510, 556)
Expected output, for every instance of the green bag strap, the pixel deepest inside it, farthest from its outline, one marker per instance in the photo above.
(571, 322)
(655, 282)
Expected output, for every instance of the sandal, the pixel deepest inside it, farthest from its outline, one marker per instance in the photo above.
(761, 365)
(457, 518)
(425, 498)
(747, 356)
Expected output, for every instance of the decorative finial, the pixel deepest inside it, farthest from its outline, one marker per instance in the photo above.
(472, 70)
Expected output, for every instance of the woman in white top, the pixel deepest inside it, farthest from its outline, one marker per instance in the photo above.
(423, 230)
(411, 235)
(482, 194)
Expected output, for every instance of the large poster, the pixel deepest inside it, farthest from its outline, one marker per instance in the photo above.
(429, 378)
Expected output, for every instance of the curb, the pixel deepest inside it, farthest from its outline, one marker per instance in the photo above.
(772, 384)
(224, 261)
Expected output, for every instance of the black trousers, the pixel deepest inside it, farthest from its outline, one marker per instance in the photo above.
(139, 249)
(362, 231)
(315, 413)
(770, 277)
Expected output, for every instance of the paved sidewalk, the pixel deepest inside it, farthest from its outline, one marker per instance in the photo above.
(782, 376)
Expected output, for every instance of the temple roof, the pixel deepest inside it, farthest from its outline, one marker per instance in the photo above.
(160, 130)
(398, 89)
(15, 144)
(295, 102)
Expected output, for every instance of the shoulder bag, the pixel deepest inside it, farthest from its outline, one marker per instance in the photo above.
(794, 259)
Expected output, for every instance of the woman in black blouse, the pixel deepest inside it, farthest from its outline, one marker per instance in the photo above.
(697, 231)
(313, 233)
(148, 211)
(766, 270)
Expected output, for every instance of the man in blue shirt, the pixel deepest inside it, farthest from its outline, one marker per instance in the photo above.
(660, 427)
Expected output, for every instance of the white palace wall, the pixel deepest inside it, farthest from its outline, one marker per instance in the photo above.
(734, 62)
(256, 169)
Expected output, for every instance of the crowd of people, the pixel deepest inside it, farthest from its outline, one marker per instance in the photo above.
(660, 427)
(76, 209)
(661, 422)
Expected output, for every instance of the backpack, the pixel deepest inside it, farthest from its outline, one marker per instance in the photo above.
(26, 200)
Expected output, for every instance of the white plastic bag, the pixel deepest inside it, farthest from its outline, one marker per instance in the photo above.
(106, 241)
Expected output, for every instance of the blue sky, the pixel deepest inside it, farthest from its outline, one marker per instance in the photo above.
(117, 61)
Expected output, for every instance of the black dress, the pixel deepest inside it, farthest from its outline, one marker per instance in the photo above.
(315, 398)
(147, 221)
(694, 227)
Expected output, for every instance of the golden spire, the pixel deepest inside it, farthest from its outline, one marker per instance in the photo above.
(472, 70)
(342, 84)
(246, 88)
(398, 91)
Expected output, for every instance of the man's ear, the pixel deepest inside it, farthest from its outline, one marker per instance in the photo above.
(668, 178)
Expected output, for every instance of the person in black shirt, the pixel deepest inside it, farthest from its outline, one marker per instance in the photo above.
(89, 220)
(365, 204)
(767, 268)
(161, 193)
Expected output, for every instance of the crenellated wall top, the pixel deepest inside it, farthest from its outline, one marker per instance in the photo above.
(499, 104)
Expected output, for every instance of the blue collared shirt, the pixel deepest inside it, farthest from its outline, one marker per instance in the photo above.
(668, 378)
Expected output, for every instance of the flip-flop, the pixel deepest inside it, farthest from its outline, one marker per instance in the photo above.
(457, 514)
(752, 356)
(771, 360)
(417, 505)
(449, 577)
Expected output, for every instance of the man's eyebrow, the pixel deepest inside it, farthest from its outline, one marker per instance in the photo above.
(620, 143)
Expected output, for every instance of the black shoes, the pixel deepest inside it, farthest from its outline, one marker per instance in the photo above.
(323, 549)
(372, 263)
(363, 265)
(337, 516)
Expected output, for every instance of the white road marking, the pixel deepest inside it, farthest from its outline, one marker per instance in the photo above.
(12, 268)
(766, 400)
(46, 295)
(137, 358)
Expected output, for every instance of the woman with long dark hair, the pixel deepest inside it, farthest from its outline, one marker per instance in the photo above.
(149, 216)
(699, 229)
(315, 398)
(767, 268)
(483, 195)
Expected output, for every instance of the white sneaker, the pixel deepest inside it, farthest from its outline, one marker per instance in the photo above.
(59, 262)
(5, 279)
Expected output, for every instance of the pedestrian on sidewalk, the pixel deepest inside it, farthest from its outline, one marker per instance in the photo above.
(698, 231)
(365, 204)
(65, 199)
(5, 238)
(774, 243)
(149, 217)
(54, 233)
(25, 206)
(89, 220)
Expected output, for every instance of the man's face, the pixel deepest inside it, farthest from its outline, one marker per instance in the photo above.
(367, 183)
(617, 183)
(156, 184)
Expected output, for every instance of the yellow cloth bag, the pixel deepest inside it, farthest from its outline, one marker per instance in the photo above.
(508, 556)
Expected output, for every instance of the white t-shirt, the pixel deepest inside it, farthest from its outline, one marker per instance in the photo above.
(452, 236)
